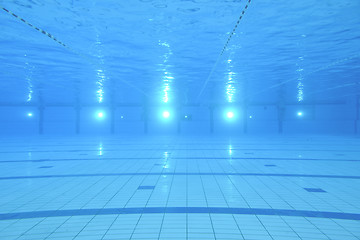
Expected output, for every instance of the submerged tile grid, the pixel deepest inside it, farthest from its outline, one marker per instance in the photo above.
(198, 188)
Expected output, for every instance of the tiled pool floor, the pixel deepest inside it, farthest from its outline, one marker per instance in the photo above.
(253, 188)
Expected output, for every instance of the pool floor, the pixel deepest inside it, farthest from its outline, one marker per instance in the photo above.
(152, 187)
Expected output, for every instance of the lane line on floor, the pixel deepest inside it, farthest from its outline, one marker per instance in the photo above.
(186, 149)
(183, 158)
(180, 174)
(192, 210)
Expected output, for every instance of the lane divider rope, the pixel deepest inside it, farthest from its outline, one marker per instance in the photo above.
(235, 27)
(36, 28)
(222, 52)
(92, 61)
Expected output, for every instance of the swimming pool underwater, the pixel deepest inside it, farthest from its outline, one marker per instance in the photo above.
(180, 188)
(159, 86)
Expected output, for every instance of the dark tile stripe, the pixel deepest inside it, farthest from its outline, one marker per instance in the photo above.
(183, 158)
(194, 210)
(315, 190)
(180, 174)
(146, 187)
(183, 149)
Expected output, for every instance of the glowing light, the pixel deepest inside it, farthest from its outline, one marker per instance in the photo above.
(100, 84)
(230, 83)
(29, 73)
(250, 116)
(166, 91)
(101, 77)
(167, 78)
(230, 150)
(300, 80)
(230, 90)
(230, 114)
(186, 116)
(100, 115)
(100, 149)
(30, 86)
(30, 114)
(300, 87)
(166, 114)
(122, 117)
(299, 113)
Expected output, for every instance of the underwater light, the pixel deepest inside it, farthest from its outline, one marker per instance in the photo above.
(166, 114)
(187, 117)
(230, 114)
(29, 114)
(250, 116)
(299, 113)
(100, 115)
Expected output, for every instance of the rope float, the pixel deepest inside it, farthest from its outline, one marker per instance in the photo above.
(91, 61)
(36, 28)
(223, 50)
(236, 25)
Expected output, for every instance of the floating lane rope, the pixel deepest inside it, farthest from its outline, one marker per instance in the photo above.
(223, 50)
(234, 29)
(36, 28)
(66, 46)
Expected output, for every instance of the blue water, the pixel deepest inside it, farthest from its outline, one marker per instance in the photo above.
(132, 61)
(199, 119)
